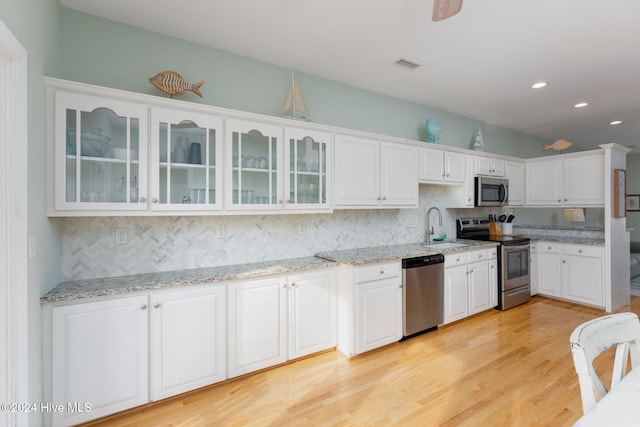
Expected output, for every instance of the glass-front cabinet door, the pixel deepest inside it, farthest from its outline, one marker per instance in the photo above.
(100, 149)
(186, 149)
(307, 177)
(254, 169)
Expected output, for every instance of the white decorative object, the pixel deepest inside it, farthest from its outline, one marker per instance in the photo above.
(294, 106)
(478, 142)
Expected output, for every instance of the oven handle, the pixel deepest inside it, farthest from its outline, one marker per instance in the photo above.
(506, 194)
(506, 248)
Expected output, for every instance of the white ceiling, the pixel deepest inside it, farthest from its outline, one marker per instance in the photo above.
(479, 63)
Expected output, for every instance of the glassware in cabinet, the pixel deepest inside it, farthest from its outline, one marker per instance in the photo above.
(308, 180)
(254, 165)
(186, 149)
(99, 153)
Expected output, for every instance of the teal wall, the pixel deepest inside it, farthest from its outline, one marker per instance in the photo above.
(110, 54)
(35, 24)
(633, 187)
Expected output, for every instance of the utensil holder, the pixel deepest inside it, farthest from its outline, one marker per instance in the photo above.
(507, 228)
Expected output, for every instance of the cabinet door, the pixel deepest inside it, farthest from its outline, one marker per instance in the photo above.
(399, 172)
(432, 165)
(498, 167)
(254, 166)
(188, 336)
(378, 314)
(544, 183)
(186, 154)
(584, 181)
(550, 274)
(514, 172)
(493, 283)
(456, 295)
(534, 275)
(357, 171)
(257, 324)
(307, 184)
(455, 166)
(479, 287)
(100, 154)
(312, 313)
(583, 279)
(99, 355)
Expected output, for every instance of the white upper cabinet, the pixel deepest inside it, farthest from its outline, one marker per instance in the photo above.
(186, 152)
(514, 172)
(270, 168)
(584, 181)
(374, 173)
(573, 180)
(490, 167)
(439, 166)
(307, 169)
(99, 154)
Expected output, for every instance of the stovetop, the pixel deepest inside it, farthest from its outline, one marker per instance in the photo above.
(478, 229)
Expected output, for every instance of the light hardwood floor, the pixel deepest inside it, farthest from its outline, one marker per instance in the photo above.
(511, 368)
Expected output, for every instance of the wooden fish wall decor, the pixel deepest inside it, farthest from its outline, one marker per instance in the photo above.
(560, 144)
(172, 83)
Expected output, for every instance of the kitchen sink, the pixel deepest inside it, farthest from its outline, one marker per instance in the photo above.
(445, 245)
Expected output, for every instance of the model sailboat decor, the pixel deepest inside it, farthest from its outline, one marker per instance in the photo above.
(294, 106)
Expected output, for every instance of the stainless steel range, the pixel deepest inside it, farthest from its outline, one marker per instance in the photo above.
(513, 260)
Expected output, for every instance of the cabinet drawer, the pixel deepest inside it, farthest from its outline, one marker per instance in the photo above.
(548, 247)
(451, 260)
(372, 272)
(492, 253)
(583, 250)
(478, 255)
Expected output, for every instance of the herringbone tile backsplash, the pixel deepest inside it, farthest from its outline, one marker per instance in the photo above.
(173, 243)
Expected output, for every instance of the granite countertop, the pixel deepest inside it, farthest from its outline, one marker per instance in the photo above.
(89, 288)
(395, 252)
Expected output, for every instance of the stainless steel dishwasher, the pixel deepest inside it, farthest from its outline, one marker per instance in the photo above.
(422, 294)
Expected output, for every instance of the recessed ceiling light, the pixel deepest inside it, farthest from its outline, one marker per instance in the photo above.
(581, 104)
(538, 85)
(615, 122)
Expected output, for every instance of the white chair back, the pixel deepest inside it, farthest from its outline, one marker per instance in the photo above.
(594, 337)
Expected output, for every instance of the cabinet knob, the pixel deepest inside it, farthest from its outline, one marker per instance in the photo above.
(381, 271)
(284, 286)
(469, 199)
(384, 198)
(293, 285)
(559, 200)
(467, 273)
(154, 200)
(443, 175)
(549, 247)
(564, 261)
(143, 306)
(378, 198)
(156, 305)
(565, 200)
(280, 201)
(492, 267)
(470, 271)
(579, 251)
(142, 200)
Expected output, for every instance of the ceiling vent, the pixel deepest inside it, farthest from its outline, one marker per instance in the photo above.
(407, 64)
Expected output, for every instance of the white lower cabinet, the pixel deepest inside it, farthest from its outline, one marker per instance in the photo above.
(188, 336)
(370, 307)
(470, 284)
(99, 357)
(312, 313)
(258, 327)
(534, 274)
(572, 272)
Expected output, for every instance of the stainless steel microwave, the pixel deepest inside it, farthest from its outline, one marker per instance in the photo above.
(491, 191)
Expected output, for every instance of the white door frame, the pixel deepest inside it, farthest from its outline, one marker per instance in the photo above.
(13, 220)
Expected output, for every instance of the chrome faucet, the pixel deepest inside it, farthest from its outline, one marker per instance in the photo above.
(430, 231)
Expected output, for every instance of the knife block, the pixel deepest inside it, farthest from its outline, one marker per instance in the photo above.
(494, 229)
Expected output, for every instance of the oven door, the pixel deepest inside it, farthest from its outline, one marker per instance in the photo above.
(515, 266)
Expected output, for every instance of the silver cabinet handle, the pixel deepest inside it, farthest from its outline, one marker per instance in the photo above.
(381, 271)
(293, 285)
(143, 306)
(579, 251)
(156, 305)
(559, 200)
(384, 198)
(564, 261)
(280, 201)
(154, 200)
(142, 200)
